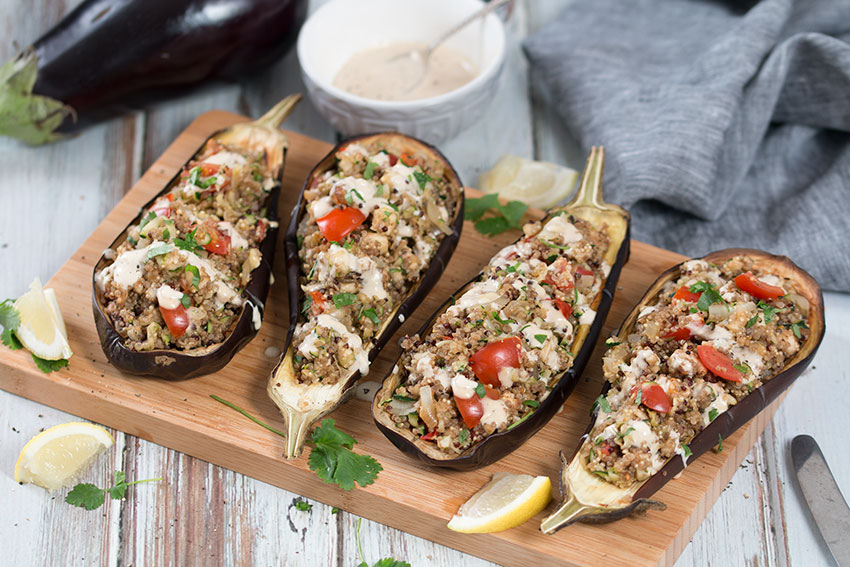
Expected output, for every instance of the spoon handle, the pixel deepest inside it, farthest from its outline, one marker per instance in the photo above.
(486, 9)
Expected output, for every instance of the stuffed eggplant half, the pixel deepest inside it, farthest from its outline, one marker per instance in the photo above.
(182, 289)
(499, 358)
(374, 228)
(712, 343)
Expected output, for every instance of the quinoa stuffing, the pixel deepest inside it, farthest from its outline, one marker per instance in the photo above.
(492, 357)
(176, 282)
(713, 336)
(372, 226)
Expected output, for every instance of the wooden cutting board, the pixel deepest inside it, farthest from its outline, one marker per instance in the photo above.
(182, 416)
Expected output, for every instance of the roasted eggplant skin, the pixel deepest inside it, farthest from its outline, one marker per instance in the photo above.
(108, 56)
(498, 445)
(180, 365)
(727, 422)
(297, 431)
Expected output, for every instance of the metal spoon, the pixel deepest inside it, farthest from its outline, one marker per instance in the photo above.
(421, 55)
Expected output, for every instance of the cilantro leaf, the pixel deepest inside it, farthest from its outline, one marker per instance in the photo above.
(342, 299)
(513, 211)
(390, 562)
(370, 170)
(474, 209)
(479, 389)
(196, 274)
(119, 487)
(8, 338)
(195, 179)
(541, 338)
(303, 505)
(686, 451)
(86, 495)
(334, 462)
(753, 320)
(421, 178)
(712, 414)
(709, 295)
(371, 314)
(189, 244)
(795, 328)
(769, 312)
(492, 226)
(602, 403)
(10, 319)
(719, 443)
(531, 403)
(48, 366)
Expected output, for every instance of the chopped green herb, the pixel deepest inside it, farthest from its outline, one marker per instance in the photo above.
(146, 219)
(303, 506)
(402, 398)
(342, 299)
(189, 243)
(686, 451)
(768, 310)
(612, 342)
(592, 454)
(421, 178)
(369, 171)
(195, 178)
(480, 390)
(795, 328)
(602, 403)
(371, 315)
(752, 321)
(300, 240)
(186, 301)
(463, 436)
(516, 423)
(601, 473)
(639, 396)
(709, 296)
(496, 317)
(514, 268)
(743, 368)
(158, 251)
(624, 433)
(541, 338)
(10, 319)
(348, 244)
(305, 306)
(531, 403)
(553, 245)
(719, 443)
(712, 414)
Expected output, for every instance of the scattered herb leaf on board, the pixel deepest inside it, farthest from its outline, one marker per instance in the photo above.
(331, 457)
(502, 217)
(87, 495)
(10, 319)
(386, 562)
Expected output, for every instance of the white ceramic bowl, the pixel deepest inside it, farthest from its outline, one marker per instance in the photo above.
(342, 27)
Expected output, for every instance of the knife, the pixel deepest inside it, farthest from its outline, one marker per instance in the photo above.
(823, 497)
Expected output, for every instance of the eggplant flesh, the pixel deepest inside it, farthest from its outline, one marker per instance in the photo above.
(587, 498)
(304, 404)
(106, 57)
(588, 205)
(172, 364)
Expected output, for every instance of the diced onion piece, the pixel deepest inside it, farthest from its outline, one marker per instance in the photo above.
(433, 214)
(718, 312)
(426, 407)
(399, 407)
(801, 302)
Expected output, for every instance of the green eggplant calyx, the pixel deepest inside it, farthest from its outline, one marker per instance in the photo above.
(29, 117)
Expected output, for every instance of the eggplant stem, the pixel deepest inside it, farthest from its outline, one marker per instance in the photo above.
(569, 512)
(297, 427)
(279, 112)
(589, 192)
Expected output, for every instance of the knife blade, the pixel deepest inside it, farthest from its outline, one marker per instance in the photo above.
(823, 497)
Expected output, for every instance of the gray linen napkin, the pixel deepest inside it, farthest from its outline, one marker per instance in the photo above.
(724, 123)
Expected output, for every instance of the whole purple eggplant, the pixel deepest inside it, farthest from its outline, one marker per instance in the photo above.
(108, 56)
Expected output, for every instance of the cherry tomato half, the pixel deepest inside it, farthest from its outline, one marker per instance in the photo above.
(718, 363)
(430, 435)
(757, 288)
(471, 409)
(319, 302)
(339, 223)
(393, 159)
(177, 320)
(566, 308)
(582, 271)
(654, 397)
(686, 294)
(408, 159)
(212, 239)
(487, 362)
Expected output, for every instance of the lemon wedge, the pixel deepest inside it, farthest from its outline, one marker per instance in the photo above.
(55, 457)
(537, 183)
(507, 501)
(42, 330)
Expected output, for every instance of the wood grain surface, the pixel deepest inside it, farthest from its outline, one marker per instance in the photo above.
(54, 196)
(183, 417)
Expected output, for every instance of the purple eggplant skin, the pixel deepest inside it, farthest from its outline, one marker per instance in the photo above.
(179, 365)
(735, 417)
(429, 278)
(109, 56)
(500, 444)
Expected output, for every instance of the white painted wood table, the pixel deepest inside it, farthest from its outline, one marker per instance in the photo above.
(53, 197)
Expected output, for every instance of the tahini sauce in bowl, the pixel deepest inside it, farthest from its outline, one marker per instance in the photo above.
(387, 73)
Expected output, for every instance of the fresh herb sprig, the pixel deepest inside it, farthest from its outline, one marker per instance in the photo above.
(88, 496)
(386, 562)
(331, 457)
(502, 217)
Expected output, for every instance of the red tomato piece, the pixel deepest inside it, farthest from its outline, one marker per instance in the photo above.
(215, 241)
(492, 393)
(686, 294)
(408, 160)
(487, 362)
(606, 448)
(757, 288)
(162, 206)
(560, 275)
(430, 435)
(319, 302)
(393, 159)
(654, 397)
(566, 308)
(177, 320)
(582, 271)
(339, 223)
(471, 409)
(209, 169)
(718, 363)
(680, 334)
